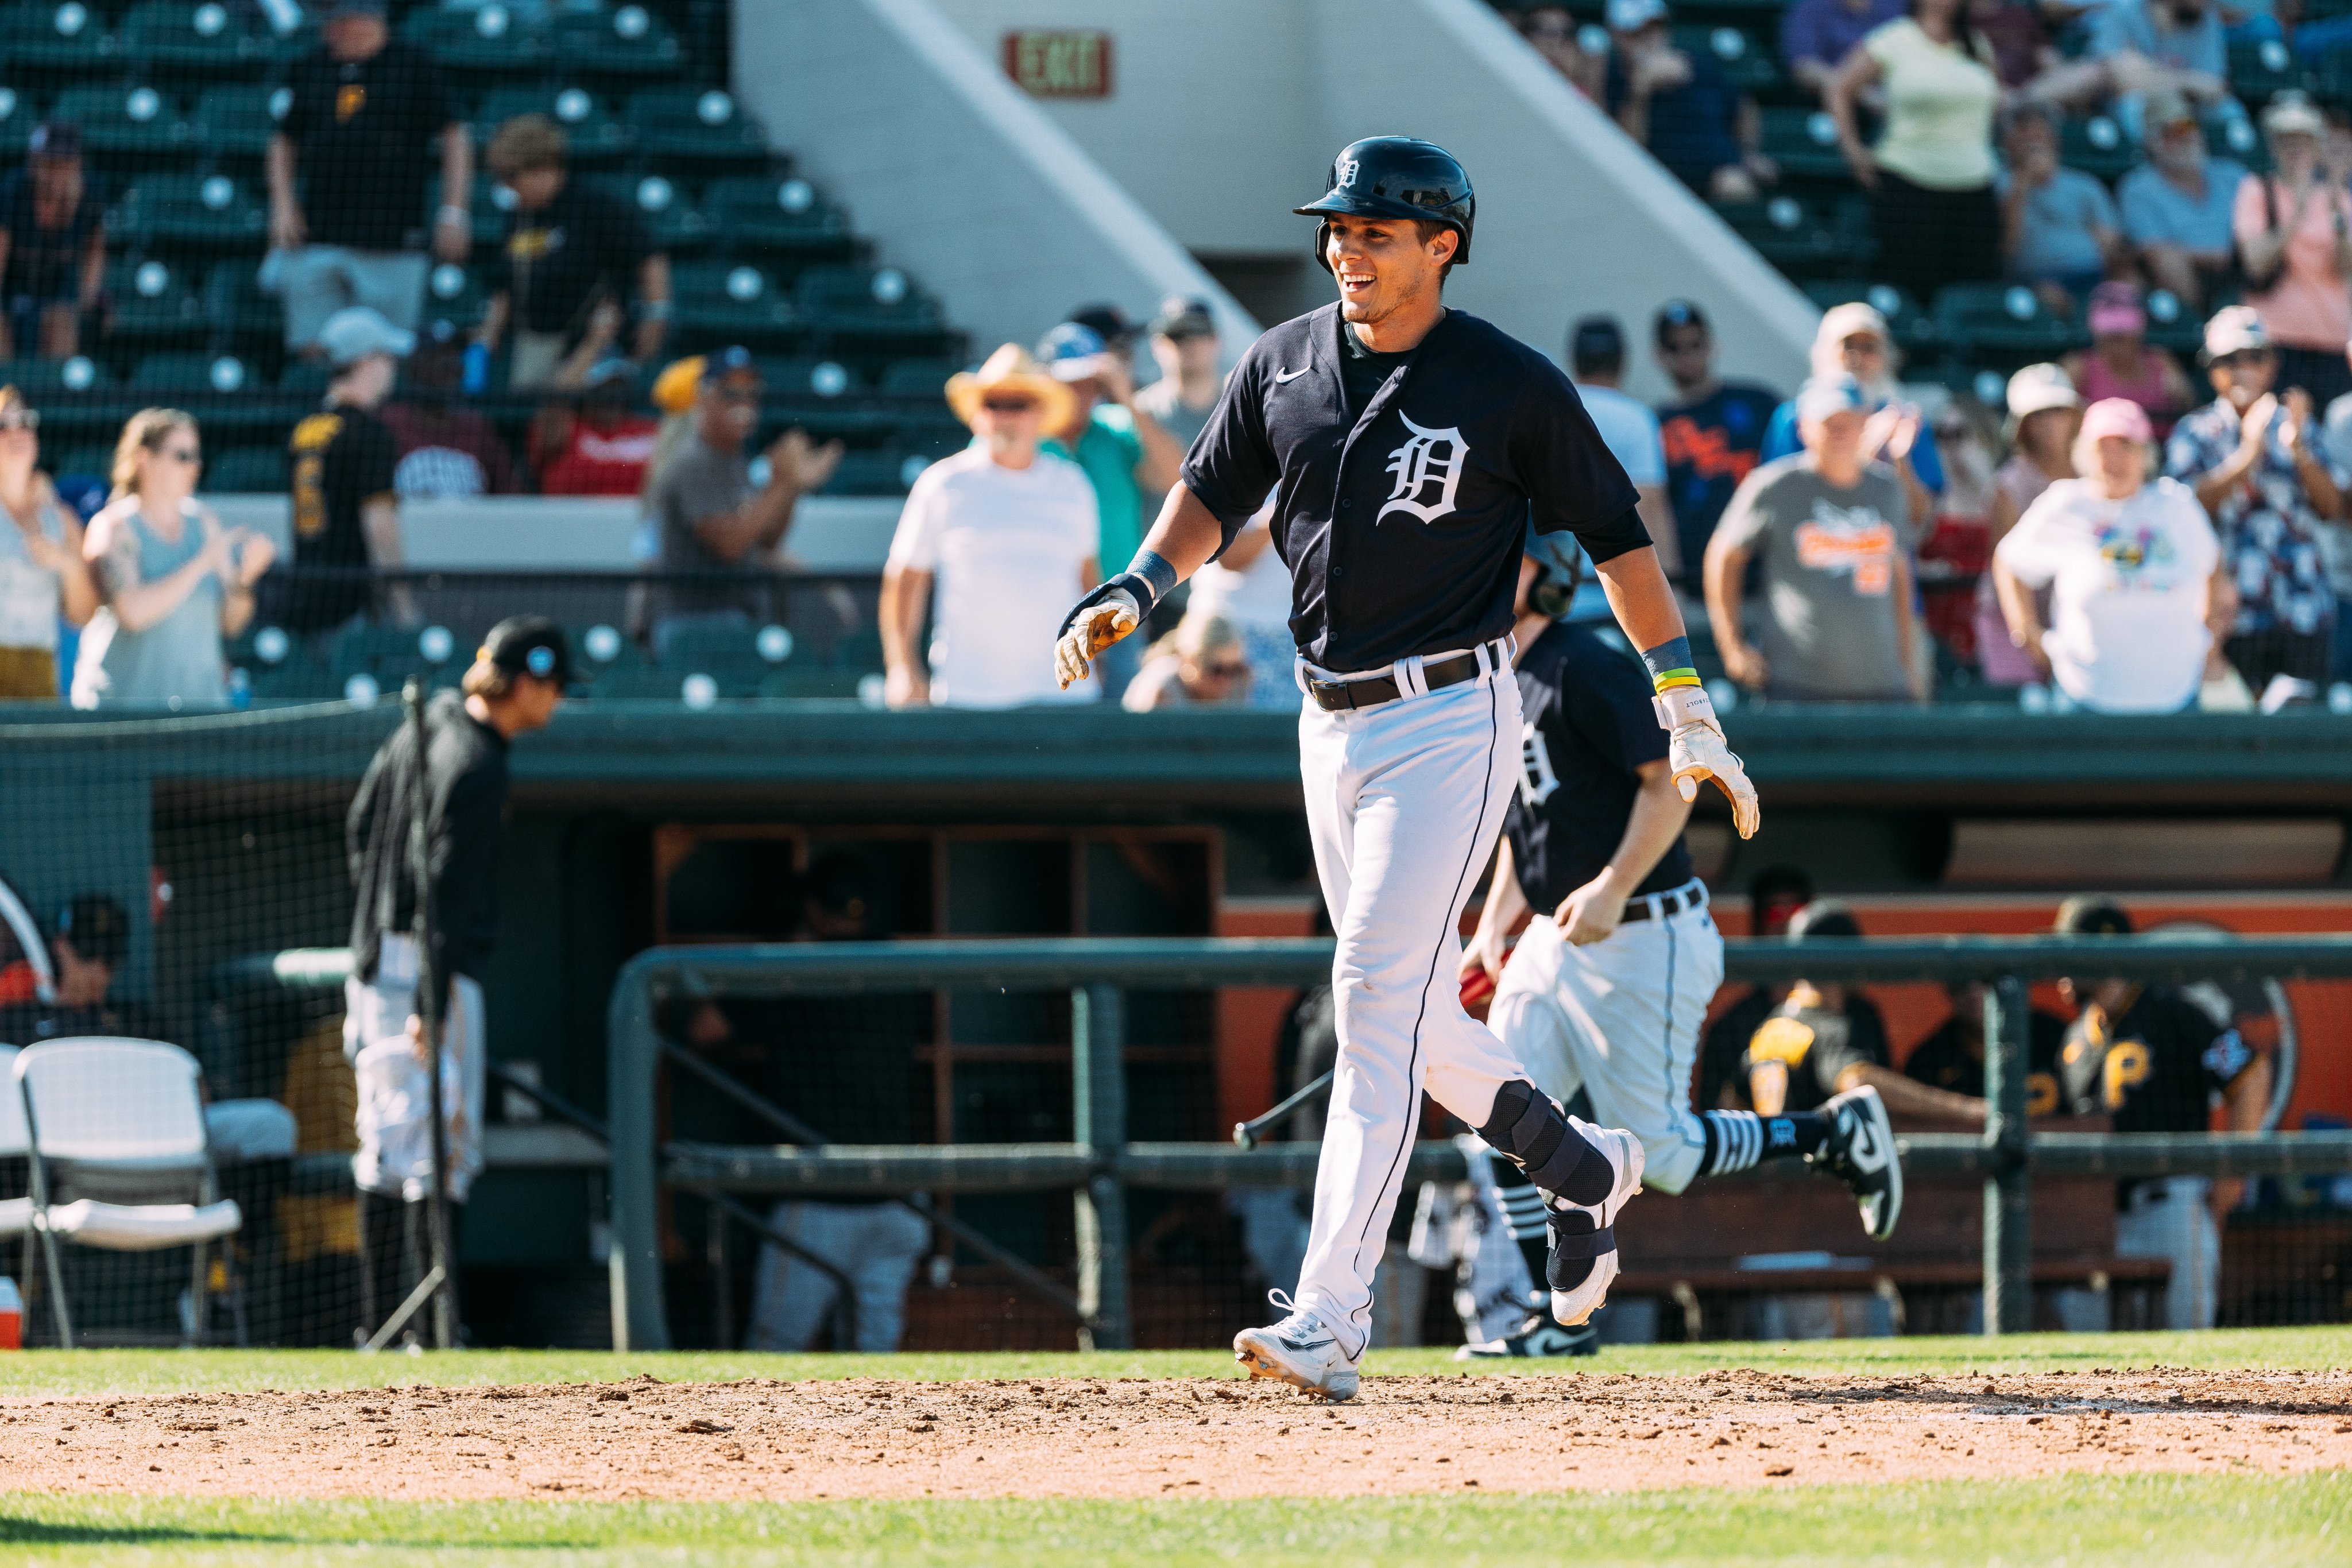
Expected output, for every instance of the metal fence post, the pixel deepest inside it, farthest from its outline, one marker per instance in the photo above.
(1098, 1120)
(2008, 1192)
(639, 1319)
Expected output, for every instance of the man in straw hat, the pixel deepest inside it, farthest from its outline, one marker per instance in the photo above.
(1003, 530)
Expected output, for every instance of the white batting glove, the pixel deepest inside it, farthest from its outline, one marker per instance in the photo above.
(1101, 618)
(1695, 749)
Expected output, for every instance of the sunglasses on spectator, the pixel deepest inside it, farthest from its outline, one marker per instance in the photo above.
(182, 454)
(2245, 357)
(1229, 670)
(20, 419)
(1008, 404)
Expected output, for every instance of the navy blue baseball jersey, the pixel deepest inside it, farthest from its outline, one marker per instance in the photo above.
(1402, 522)
(1588, 727)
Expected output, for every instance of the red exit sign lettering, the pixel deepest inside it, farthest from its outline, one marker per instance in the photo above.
(1050, 63)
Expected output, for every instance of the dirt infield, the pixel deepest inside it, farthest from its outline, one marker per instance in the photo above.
(1186, 1436)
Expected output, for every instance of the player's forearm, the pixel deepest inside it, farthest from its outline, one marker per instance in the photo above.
(1656, 820)
(1636, 585)
(1506, 902)
(2248, 1097)
(1187, 533)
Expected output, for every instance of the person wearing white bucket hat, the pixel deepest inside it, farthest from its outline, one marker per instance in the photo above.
(2043, 410)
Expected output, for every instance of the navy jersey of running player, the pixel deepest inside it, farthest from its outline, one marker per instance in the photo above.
(1401, 520)
(1588, 728)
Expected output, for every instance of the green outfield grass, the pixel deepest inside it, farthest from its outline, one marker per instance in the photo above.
(2144, 1522)
(53, 1374)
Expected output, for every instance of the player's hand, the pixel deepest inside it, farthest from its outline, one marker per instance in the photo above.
(1696, 749)
(1483, 954)
(1591, 913)
(906, 687)
(1103, 617)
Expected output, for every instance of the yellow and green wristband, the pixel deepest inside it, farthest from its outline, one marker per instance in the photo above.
(1670, 664)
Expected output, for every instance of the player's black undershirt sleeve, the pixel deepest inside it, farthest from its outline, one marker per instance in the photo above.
(1232, 467)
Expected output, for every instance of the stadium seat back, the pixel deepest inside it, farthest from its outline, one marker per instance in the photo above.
(57, 38)
(628, 43)
(47, 380)
(751, 212)
(690, 127)
(675, 224)
(593, 136)
(199, 38)
(136, 127)
(916, 378)
(238, 121)
(247, 471)
(488, 41)
(176, 213)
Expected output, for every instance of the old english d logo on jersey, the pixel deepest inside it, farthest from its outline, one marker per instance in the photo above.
(1536, 780)
(1427, 457)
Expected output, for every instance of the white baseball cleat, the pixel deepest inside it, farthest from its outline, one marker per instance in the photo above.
(1300, 1351)
(1861, 1153)
(1597, 1241)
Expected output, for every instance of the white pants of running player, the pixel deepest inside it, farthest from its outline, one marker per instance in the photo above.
(1619, 1018)
(1404, 802)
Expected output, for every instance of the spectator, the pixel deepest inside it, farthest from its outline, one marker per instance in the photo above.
(1115, 328)
(1816, 35)
(713, 521)
(441, 449)
(2058, 231)
(2122, 363)
(2294, 227)
(2045, 414)
(2155, 46)
(1931, 175)
(1129, 459)
(2177, 206)
(861, 1095)
(1596, 358)
(2022, 54)
(1006, 531)
(1199, 663)
(1853, 339)
(1550, 28)
(2338, 447)
(42, 578)
(1952, 1057)
(1713, 431)
(52, 247)
(2257, 468)
(602, 445)
(1678, 105)
(2129, 565)
(360, 108)
(1249, 587)
(2151, 1060)
(1955, 548)
(1824, 1040)
(1825, 530)
(1184, 344)
(342, 474)
(573, 261)
(1775, 894)
(171, 579)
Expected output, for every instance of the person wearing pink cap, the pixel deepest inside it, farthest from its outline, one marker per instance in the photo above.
(2121, 362)
(2129, 566)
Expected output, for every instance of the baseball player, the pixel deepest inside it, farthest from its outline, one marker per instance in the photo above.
(1408, 448)
(1602, 999)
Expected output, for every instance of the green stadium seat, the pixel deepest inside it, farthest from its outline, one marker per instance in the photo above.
(2005, 321)
(809, 376)
(877, 473)
(388, 655)
(1915, 332)
(682, 128)
(696, 645)
(17, 118)
(45, 382)
(153, 305)
(629, 44)
(1750, 64)
(177, 212)
(302, 380)
(2173, 324)
(95, 460)
(2258, 69)
(1800, 237)
(49, 39)
(676, 225)
(454, 294)
(247, 471)
(600, 649)
(488, 42)
(239, 310)
(191, 377)
(916, 378)
(238, 121)
(753, 213)
(596, 138)
(2097, 146)
(1804, 142)
(203, 40)
(2238, 141)
(276, 666)
(134, 127)
(719, 302)
(851, 304)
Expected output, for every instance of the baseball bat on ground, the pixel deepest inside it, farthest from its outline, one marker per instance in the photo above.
(1246, 1133)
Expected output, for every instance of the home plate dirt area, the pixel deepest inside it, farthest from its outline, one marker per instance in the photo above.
(1185, 1437)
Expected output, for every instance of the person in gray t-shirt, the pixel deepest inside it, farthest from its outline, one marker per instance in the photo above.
(1828, 535)
(1184, 344)
(712, 519)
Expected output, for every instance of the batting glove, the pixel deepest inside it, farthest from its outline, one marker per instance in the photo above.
(1104, 616)
(1695, 749)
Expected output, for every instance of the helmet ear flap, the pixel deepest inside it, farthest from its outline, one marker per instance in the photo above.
(1323, 245)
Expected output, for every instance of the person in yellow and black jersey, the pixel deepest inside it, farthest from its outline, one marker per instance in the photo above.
(1953, 1057)
(2151, 1060)
(340, 463)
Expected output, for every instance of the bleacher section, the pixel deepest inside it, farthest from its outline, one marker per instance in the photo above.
(177, 102)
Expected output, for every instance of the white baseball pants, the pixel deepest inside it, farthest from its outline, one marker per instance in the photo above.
(1619, 1018)
(1404, 802)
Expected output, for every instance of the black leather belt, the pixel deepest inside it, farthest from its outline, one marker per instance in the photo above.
(1337, 696)
(1667, 903)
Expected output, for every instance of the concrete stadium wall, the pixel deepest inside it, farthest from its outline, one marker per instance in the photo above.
(1224, 114)
(956, 174)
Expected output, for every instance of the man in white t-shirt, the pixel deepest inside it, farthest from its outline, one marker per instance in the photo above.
(1596, 362)
(1006, 532)
(2130, 565)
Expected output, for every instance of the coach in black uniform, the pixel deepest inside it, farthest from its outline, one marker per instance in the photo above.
(1408, 448)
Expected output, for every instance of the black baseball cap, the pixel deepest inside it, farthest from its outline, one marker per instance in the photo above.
(96, 927)
(57, 139)
(1180, 317)
(1111, 323)
(1596, 338)
(732, 361)
(1825, 917)
(1675, 314)
(2092, 914)
(528, 645)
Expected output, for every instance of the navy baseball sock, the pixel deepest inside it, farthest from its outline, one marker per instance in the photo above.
(1738, 1139)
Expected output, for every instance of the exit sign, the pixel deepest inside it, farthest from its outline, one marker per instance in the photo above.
(1049, 63)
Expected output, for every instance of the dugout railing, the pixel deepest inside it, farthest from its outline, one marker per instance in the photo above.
(1100, 1163)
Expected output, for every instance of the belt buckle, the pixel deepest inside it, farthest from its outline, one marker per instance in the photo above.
(1324, 691)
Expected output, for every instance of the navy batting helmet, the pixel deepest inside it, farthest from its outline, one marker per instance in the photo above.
(1560, 564)
(1396, 177)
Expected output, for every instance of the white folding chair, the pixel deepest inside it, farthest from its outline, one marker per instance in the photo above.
(16, 1144)
(114, 1126)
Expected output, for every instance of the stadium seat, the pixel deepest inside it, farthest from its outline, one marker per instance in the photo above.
(245, 471)
(1804, 142)
(883, 472)
(754, 215)
(2004, 321)
(390, 654)
(686, 129)
(2173, 324)
(154, 307)
(806, 377)
(675, 224)
(454, 294)
(49, 39)
(134, 127)
(304, 379)
(17, 118)
(1799, 238)
(926, 378)
(2097, 146)
(239, 311)
(238, 121)
(853, 305)
(2260, 69)
(207, 40)
(727, 302)
(179, 212)
(596, 138)
(44, 382)
(487, 42)
(1915, 332)
(2238, 141)
(191, 376)
(1750, 64)
(629, 44)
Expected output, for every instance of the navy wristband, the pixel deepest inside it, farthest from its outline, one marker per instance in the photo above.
(1155, 573)
(1670, 664)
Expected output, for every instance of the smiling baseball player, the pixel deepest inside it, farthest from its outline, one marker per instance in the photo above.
(1408, 449)
(1603, 998)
